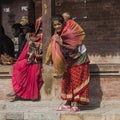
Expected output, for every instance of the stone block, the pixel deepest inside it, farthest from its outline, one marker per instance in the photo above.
(2, 116)
(14, 116)
(113, 117)
(71, 117)
(5, 71)
(41, 116)
(93, 117)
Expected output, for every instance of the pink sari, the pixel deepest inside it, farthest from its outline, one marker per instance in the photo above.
(26, 78)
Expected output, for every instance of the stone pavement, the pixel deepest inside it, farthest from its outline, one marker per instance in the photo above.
(46, 110)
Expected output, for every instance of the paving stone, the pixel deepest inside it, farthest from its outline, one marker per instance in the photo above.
(46, 110)
(71, 117)
(14, 116)
(113, 117)
(2, 116)
(93, 117)
(2, 106)
(117, 116)
(41, 116)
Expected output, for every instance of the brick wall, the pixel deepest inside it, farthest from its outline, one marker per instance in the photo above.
(100, 20)
(104, 84)
(38, 9)
(15, 8)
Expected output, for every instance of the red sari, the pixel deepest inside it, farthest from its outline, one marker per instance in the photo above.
(75, 76)
(75, 83)
(26, 78)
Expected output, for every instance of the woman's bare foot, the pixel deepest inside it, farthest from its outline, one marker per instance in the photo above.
(16, 98)
(11, 94)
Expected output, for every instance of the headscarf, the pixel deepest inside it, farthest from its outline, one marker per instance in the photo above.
(38, 24)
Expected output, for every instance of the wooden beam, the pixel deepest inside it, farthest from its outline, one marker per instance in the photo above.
(48, 10)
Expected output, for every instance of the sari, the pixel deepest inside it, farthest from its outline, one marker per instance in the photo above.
(27, 78)
(75, 83)
(76, 73)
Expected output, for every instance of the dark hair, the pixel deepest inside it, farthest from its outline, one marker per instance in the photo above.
(30, 26)
(17, 26)
(58, 17)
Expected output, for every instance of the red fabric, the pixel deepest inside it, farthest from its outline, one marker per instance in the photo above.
(38, 24)
(75, 83)
(26, 79)
(72, 36)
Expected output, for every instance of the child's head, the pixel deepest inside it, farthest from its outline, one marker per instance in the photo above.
(66, 16)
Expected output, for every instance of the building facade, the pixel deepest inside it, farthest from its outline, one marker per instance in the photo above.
(99, 19)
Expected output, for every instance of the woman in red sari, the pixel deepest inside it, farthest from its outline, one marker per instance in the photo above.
(70, 63)
(26, 77)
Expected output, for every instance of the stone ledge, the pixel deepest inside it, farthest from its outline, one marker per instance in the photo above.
(46, 110)
(95, 69)
(5, 71)
(101, 88)
(105, 74)
(105, 69)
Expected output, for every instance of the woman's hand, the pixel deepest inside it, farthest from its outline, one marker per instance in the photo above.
(58, 39)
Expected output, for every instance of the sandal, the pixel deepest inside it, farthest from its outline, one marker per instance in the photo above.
(75, 109)
(63, 108)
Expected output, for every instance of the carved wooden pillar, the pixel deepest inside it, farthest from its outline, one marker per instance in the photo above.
(31, 12)
(48, 10)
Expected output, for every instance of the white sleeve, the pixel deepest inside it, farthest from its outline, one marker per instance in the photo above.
(82, 49)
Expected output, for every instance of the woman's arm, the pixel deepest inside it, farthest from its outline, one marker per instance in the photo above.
(29, 37)
(68, 46)
(59, 40)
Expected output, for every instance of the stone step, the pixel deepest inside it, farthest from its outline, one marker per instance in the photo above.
(5, 71)
(46, 110)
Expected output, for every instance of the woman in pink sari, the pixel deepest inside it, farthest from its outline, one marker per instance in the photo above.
(26, 77)
(70, 61)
